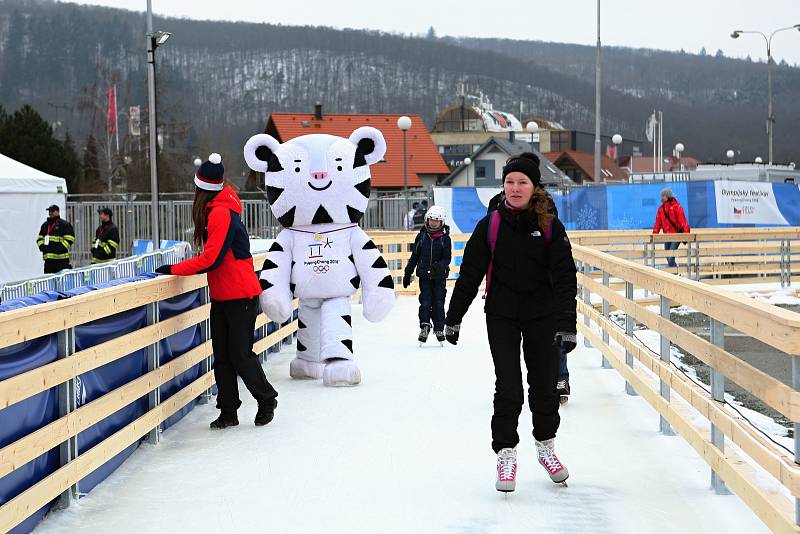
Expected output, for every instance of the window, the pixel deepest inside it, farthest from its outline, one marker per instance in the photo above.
(480, 172)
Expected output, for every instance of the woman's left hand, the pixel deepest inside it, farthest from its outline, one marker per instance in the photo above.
(566, 341)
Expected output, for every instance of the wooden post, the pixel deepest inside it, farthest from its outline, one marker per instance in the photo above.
(587, 298)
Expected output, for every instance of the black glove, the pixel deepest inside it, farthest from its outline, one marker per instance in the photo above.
(164, 269)
(566, 341)
(406, 280)
(451, 333)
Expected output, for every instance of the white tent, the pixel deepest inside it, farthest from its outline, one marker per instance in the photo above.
(25, 194)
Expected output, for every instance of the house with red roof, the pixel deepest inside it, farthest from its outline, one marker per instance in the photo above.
(425, 165)
(579, 167)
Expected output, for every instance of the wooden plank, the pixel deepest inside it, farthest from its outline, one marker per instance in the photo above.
(770, 390)
(20, 452)
(26, 503)
(263, 344)
(773, 459)
(775, 326)
(773, 508)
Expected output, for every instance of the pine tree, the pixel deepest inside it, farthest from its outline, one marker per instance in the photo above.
(91, 164)
(26, 137)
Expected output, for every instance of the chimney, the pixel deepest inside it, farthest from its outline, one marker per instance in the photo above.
(318, 111)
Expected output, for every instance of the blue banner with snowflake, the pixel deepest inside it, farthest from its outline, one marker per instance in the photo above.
(707, 204)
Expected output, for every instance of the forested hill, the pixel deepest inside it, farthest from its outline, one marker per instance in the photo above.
(219, 80)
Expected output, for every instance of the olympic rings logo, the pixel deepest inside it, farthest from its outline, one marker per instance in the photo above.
(321, 269)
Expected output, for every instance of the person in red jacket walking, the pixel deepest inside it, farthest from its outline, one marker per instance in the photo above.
(671, 219)
(234, 290)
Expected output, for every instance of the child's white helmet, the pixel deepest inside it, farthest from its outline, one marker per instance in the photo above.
(436, 213)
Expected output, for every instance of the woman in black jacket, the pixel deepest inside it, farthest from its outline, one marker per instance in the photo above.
(431, 259)
(523, 250)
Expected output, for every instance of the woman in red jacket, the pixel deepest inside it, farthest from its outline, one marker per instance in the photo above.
(671, 219)
(234, 290)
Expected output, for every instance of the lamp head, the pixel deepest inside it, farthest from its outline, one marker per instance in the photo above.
(679, 147)
(159, 38)
(616, 139)
(736, 34)
(404, 123)
(532, 126)
(467, 161)
(730, 154)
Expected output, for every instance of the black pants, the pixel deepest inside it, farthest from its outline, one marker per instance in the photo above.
(541, 360)
(54, 266)
(431, 301)
(232, 331)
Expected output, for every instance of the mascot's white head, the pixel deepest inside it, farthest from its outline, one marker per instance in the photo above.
(317, 178)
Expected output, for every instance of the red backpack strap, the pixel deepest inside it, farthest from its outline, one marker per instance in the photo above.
(494, 230)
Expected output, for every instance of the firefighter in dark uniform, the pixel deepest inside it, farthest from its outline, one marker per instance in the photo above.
(106, 238)
(56, 236)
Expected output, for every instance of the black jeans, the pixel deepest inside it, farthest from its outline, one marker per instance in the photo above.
(542, 361)
(232, 332)
(431, 302)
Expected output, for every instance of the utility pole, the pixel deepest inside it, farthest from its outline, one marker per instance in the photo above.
(151, 100)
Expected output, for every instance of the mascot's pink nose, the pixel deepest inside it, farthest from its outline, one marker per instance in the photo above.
(319, 175)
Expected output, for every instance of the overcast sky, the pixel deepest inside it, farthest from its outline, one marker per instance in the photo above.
(688, 24)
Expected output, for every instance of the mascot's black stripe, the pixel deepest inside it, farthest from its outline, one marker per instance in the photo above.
(356, 281)
(364, 187)
(321, 216)
(275, 247)
(287, 219)
(380, 263)
(354, 214)
(273, 193)
(349, 344)
(387, 282)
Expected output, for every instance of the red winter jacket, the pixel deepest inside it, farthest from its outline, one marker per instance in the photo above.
(226, 252)
(675, 212)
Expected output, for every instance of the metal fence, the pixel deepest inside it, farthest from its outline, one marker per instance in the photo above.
(95, 274)
(175, 219)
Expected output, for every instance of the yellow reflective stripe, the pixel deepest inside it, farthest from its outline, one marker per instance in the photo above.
(113, 243)
(50, 256)
(98, 260)
(40, 239)
(70, 238)
(106, 248)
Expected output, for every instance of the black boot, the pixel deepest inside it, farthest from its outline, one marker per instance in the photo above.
(424, 331)
(224, 421)
(265, 413)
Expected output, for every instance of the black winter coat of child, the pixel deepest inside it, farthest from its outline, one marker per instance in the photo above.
(430, 257)
(531, 278)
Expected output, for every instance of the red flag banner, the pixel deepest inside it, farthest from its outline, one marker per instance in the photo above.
(611, 152)
(111, 109)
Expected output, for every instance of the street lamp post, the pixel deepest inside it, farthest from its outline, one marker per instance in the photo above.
(617, 140)
(597, 100)
(468, 162)
(404, 123)
(770, 115)
(679, 148)
(154, 40)
(532, 128)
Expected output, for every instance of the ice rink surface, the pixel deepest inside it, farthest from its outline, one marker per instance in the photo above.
(408, 451)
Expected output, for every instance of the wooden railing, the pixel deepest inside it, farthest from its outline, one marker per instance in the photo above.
(713, 255)
(681, 401)
(60, 318)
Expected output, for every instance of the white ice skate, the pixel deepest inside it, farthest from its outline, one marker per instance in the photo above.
(547, 457)
(506, 470)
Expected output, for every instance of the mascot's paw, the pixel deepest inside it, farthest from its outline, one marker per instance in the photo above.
(278, 307)
(378, 305)
(341, 373)
(304, 369)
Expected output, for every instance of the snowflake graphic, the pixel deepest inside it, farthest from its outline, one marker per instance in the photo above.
(587, 218)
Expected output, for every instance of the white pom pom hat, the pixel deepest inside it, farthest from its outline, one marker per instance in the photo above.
(211, 174)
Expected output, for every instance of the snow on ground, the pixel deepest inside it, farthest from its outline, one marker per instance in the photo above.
(409, 451)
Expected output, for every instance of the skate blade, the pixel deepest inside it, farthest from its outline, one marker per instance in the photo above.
(505, 489)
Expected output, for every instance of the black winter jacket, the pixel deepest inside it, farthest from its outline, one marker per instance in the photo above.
(106, 243)
(530, 278)
(430, 257)
(61, 237)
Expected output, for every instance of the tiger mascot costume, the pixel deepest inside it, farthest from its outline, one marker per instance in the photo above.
(318, 187)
